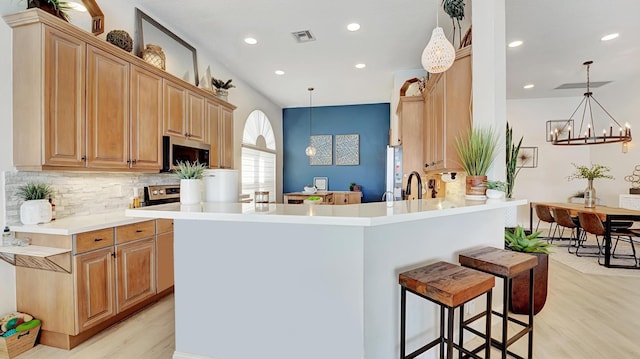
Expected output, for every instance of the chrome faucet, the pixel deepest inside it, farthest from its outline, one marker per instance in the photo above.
(407, 192)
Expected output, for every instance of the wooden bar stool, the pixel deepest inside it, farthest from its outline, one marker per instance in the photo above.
(449, 286)
(505, 264)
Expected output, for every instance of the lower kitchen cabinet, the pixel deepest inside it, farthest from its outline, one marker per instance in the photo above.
(114, 273)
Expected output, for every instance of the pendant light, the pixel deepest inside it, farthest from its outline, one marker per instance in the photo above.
(439, 54)
(310, 150)
(587, 133)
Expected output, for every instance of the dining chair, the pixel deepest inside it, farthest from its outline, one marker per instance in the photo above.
(564, 221)
(591, 223)
(625, 235)
(544, 215)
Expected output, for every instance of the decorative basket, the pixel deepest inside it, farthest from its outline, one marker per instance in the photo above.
(154, 55)
(11, 347)
(121, 39)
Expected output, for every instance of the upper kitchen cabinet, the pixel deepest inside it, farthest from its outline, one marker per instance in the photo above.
(220, 122)
(447, 113)
(184, 112)
(410, 122)
(146, 119)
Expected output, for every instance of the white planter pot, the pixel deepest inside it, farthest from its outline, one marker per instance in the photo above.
(35, 211)
(190, 191)
(494, 193)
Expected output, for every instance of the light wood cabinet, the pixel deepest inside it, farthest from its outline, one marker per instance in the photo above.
(220, 121)
(146, 119)
(410, 122)
(164, 254)
(347, 198)
(136, 279)
(447, 114)
(184, 112)
(107, 110)
(95, 276)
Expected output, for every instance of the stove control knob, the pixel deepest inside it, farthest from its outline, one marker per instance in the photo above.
(161, 191)
(155, 192)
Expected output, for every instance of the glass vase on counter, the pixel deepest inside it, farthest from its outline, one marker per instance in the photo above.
(590, 195)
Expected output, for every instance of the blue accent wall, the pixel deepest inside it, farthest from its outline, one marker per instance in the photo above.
(370, 121)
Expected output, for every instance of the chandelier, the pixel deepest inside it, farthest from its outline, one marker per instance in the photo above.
(310, 150)
(587, 133)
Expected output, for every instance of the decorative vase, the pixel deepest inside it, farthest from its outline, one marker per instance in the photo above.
(519, 303)
(494, 193)
(475, 188)
(154, 55)
(190, 191)
(120, 38)
(35, 211)
(590, 195)
(222, 93)
(357, 188)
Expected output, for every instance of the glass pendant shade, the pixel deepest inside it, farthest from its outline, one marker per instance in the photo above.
(310, 150)
(439, 54)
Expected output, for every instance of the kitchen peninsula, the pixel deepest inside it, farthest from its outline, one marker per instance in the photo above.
(290, 281)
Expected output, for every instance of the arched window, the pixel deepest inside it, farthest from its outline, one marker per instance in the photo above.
(258, 156)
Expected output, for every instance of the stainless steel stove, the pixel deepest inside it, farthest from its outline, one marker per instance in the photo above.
(161, 194)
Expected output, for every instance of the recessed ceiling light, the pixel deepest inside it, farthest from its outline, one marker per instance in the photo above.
(610, 37)
(76, 6)
(360, 66)
(279, 72)
(353, 27)
(515, 43)
(529, 86)
(251, 41)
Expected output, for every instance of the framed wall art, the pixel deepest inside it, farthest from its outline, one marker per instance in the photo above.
(321, 183)
(527, 157)
(324, 152)
(348, 150)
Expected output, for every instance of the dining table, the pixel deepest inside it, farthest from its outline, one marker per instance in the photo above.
(607, 214)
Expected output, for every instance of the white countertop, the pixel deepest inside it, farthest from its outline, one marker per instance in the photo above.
(366, 214)
(79, 224)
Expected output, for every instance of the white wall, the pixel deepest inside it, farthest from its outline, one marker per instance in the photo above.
(119, 14)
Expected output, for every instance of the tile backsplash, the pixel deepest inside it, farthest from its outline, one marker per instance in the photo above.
(81, 193)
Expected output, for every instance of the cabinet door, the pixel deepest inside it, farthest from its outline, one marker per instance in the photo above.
(214, 123)
(136, 272)
(196, 117)
(355, 197)
(164, 254)
(64, 102)
(437, 126)
(340, 198)
(107, 110)
(227, 138)
(146, 117)
(411, 118)
(175, 109)
(95, 280)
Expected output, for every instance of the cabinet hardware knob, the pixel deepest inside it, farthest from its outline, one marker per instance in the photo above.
(113, 254)
(97, 239)
(128, 161)
(138, 230)
(134, 161)
(84, 158)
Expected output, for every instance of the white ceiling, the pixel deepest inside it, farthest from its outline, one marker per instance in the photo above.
(558, 37)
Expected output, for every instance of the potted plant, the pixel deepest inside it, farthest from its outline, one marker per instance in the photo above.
(36, 207)
(517, 240)
(512, 152)
(54, 7)
(222, 88)
(190, 175)
(495, 189)
(590, 173)
(477, 151)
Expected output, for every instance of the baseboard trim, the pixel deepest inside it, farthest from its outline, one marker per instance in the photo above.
(179, 355)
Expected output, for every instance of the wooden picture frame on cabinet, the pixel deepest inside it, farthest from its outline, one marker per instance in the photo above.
(180, 54)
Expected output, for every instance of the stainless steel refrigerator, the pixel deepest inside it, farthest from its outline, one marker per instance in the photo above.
(394, 173)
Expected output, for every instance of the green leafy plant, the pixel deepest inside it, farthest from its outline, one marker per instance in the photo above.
(220, 84)
(590, 173)
(32, 191)
(497, 185)
(189, 170)
(512, 152)
(518, 241)
(56, 7)
(477, 151)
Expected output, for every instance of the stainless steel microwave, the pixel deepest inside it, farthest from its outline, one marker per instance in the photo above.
(175, 149)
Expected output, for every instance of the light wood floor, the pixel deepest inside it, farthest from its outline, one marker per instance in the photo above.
(586, 316)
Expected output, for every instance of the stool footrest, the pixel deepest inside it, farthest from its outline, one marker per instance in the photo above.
(424, 348)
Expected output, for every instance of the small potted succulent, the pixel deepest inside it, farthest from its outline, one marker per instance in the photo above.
(495, 189)
(222, 87)
(190, 175)
(36, 207)
(477, 151)
(518, 240)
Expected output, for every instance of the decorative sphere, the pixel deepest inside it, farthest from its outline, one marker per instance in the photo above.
(121, 39)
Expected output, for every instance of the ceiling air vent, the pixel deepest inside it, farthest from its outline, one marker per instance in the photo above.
(303, 36)
(581, 85)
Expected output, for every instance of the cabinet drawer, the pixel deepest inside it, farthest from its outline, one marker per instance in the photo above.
(89, 241)
(164, 225)
(135, 231)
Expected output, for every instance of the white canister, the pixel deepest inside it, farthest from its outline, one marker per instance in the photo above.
(221, 185)
(35, 211)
